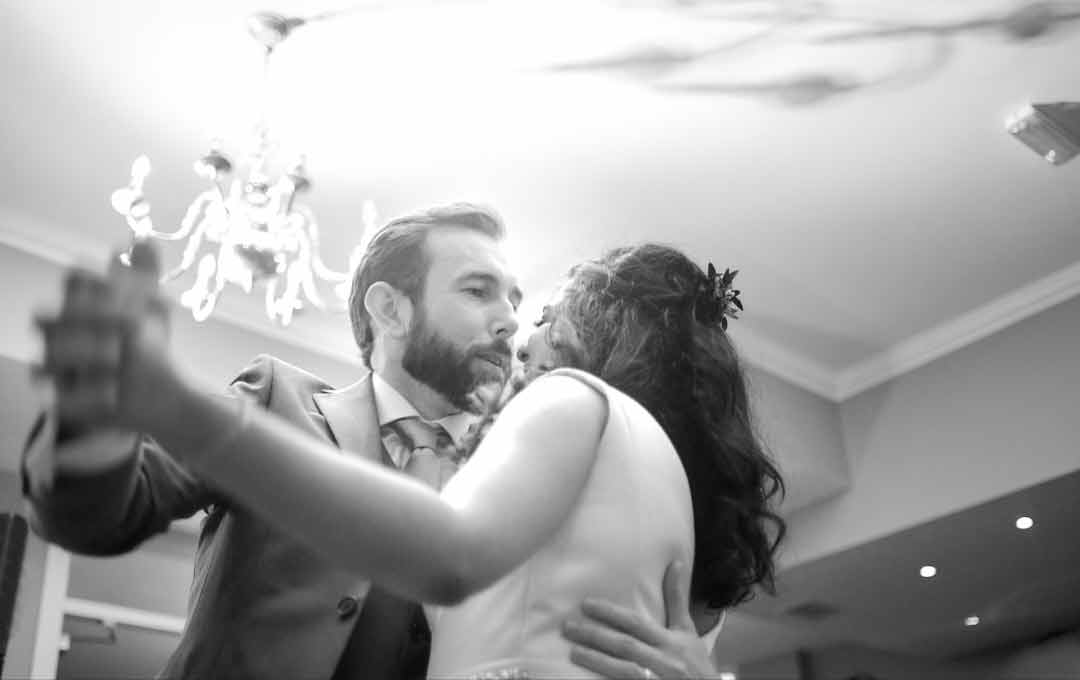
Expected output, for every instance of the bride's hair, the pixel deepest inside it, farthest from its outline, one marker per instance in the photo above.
(633, 312)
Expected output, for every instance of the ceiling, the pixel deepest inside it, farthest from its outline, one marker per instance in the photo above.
(865, 188)
(1023, 585)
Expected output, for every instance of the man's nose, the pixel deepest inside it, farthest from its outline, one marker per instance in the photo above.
(506, 323)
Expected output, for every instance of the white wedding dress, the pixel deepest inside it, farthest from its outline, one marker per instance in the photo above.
(634, 517)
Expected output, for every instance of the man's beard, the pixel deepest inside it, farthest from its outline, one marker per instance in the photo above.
(450, 370)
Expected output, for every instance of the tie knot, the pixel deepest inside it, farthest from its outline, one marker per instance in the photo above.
(419, 434)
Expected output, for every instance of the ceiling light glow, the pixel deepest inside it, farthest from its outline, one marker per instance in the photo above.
(928, 571)
(1024, 523)
(971, 621)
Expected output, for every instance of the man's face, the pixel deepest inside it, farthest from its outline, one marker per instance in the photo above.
(462, 329)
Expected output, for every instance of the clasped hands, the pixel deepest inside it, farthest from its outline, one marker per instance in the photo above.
(106, 349)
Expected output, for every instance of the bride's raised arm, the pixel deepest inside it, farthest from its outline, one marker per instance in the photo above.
(501, 507)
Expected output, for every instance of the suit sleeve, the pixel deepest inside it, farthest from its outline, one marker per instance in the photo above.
(112, 511)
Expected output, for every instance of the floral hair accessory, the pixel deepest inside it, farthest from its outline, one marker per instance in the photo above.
(716, 300)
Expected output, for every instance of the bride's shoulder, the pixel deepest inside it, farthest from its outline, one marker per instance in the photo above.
(567, 395)
(572, 375)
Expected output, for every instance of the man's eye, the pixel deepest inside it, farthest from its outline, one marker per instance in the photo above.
(476, 292)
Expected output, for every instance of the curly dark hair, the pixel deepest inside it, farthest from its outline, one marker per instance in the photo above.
(632, 311)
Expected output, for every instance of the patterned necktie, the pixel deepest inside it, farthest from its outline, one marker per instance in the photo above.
(432, 456)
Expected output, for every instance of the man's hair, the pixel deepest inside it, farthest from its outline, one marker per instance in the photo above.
(633, 312)
(397, 254)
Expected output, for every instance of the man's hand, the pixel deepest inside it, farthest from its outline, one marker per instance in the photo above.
(617, 643)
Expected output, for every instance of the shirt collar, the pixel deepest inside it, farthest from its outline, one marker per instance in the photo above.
(391, 405)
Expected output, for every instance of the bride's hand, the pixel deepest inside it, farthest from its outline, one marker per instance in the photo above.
(106, 350)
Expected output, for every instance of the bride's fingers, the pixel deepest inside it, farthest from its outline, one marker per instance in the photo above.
(85, 290)
(620, 666)
(603, 664)
(622, 619)
(614, 649)
(81, 343)
(91, 399)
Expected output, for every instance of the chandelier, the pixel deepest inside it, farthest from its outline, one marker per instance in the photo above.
(248, 228)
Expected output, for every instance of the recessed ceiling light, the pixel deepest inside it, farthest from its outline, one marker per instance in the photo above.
(727, 676)
(1024, 522)
(971, 621)
(928, 571)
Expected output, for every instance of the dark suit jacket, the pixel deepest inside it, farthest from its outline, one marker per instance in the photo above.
(261, 606)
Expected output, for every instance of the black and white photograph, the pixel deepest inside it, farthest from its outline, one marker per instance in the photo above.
(523, 340)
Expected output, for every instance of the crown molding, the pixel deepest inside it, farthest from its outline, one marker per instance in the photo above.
(792, 367)
(960, 332)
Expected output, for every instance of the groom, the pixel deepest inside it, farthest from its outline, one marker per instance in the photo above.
(262, 606)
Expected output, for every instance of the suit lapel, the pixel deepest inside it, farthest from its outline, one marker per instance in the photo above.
(353, 421)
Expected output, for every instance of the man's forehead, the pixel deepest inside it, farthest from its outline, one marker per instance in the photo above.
(457, 253)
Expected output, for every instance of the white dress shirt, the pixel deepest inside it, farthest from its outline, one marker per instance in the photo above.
(391, 405)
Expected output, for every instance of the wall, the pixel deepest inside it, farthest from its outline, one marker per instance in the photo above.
(802, 432)
(993, 417)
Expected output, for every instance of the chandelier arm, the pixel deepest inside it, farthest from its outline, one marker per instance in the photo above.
(320, 268)
(199, 298)
(306, 278)
(290, 299)
(140, 226)
(191, 216)
(269, 301)
(190, 251)
(307, 285)
(283, 307)
(205, 307)
(220, 276)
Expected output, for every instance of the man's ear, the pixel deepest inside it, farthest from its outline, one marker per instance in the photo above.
(391, 311)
